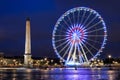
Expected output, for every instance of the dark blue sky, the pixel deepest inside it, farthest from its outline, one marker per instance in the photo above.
(44, 14)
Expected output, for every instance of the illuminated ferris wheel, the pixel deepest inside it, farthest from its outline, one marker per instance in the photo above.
(79, 36)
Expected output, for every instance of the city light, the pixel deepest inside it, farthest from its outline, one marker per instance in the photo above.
(109, 56)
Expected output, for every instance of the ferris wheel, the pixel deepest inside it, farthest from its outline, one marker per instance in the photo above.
(79, 36)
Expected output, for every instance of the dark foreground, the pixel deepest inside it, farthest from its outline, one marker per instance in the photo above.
(60, 74)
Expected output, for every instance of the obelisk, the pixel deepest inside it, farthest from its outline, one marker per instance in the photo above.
(27, 55)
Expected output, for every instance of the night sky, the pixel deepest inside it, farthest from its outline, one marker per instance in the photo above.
(43, 15)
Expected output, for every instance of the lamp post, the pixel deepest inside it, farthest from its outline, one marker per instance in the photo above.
(109, 57)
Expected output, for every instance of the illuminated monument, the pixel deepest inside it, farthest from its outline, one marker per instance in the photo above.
(27, 55)
(79, 36)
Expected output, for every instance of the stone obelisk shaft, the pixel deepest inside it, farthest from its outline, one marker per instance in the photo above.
(28, 38)
(27, 55)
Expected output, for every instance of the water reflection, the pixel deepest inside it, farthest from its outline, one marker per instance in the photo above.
(59, 74)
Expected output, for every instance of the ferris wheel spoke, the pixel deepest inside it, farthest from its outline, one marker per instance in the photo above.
(94, 25)
(62, 31)
(63, 27)
(69, 19)
(81, 57)
(66, 52)
(60, 35)
(87, 18)
(90, 21)
(82, 17)
(66, 23)
(78, 17)
(95, 35)
(86, 59)
(70, 53)
(73, 18)
(87, 49)
(60, 40)
(62, 44)
(64, 47)
(92, 46)
(74, 54)
(93, 40)
(95, 30)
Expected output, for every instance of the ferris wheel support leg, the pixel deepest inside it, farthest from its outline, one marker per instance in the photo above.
(84, 53)
(69, 54)
(80, 55)
(74, 55)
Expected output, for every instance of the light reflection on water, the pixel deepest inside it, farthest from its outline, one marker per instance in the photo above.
(59, 74)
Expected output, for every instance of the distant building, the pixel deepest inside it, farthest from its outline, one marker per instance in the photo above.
(1, 55)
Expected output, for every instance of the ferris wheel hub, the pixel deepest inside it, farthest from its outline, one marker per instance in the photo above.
(76, 34)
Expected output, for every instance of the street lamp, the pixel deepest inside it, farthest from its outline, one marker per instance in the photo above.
(109, 56)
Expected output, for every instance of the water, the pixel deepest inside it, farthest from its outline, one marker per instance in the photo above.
(60, 74)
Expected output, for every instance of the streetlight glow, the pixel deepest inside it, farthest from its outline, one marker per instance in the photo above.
(109, 56)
